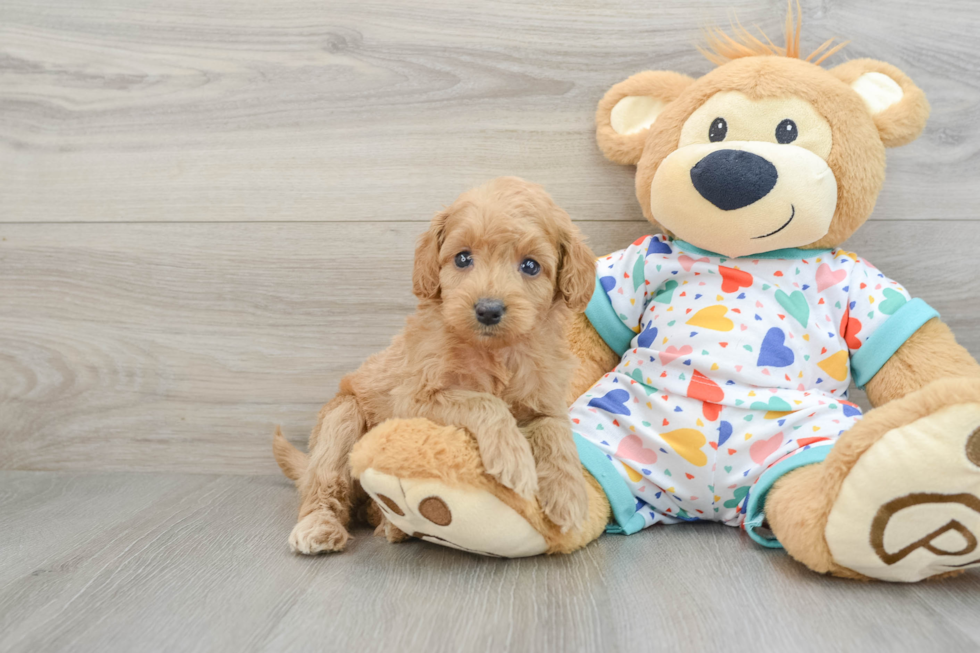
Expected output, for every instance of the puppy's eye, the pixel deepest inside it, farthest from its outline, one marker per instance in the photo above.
(464, 260)
(718, 130)
(786, 132)
(530, 267)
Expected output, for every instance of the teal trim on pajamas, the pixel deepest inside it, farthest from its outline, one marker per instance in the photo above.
(608, 325)
(888, 338)
(621, 499)
(788, 253)
(755, 502)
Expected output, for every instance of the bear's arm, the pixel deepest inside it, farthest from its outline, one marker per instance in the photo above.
(931, 353)
(594, 356)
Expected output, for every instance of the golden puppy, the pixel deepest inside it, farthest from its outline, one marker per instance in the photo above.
(496, 274)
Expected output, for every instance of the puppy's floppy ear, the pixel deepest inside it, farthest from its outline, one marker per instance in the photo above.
(628, 109)
(576, 268)
(898, 107)
(425, 274)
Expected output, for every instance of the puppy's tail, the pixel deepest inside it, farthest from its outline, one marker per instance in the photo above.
(291, 460)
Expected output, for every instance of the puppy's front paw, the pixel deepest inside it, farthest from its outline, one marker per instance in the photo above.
(513, 467)
(318, 532)
(564, 499)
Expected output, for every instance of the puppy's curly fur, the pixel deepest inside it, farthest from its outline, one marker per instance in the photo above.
(506, 383)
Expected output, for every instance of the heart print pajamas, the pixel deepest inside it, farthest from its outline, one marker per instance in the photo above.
(733, 373)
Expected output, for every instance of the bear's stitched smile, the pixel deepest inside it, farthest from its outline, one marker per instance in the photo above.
(792, 215)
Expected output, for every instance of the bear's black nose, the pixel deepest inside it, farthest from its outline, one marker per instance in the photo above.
(489, 311)
(731, 179)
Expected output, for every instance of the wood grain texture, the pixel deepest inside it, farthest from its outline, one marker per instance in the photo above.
(380, 110)
(200, 563)
(207, 212)
(178, 347)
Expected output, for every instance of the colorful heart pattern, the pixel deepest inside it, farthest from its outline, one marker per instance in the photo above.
(613, 402)
(761, 450)
(687, 262)
(666, 294)
(647, 336)
(826, 277)
(795, 304)
(631, 448)
(736, 365)
(712, 318)
(672, 353)
(687, 443)
(772, 351)
(732, 280)
(836, 365)
(894, 300)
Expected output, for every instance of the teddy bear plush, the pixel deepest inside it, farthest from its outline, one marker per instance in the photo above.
(715, 357)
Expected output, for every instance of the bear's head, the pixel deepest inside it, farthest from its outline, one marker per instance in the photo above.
(767, 151)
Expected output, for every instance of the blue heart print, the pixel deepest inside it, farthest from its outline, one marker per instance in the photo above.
(850, 411)
(724, 432)
(773, 353)
(658, 247)
(646, 338)
(613, 402)
(608, 283)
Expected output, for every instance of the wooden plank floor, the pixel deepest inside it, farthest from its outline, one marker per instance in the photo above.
(126, 562)
(207, 212)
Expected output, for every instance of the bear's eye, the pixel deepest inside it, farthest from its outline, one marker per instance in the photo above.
(718, 130)
(530, 267)
(464, 260)
(786, 132)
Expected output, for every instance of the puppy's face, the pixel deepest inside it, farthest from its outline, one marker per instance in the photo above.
(499, 259)
(497, 273)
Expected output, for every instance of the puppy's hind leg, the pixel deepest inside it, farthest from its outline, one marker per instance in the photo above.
(325, 486)
(369, 513)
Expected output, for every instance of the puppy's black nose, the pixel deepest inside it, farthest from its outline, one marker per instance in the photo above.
(489, 311)
(731, 179)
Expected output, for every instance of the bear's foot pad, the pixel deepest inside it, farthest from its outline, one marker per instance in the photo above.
(463, 518)
(910, 507)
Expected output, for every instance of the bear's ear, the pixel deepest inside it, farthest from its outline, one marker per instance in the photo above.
(628, 109)
(898, 107)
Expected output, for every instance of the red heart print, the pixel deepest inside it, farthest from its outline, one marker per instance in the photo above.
(733, 279)
(703, 388)
(849, 328)
(710, 411)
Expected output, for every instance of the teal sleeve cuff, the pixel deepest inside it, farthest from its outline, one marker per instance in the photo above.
(891, 335)
(755, 502)
(621, 500)
(603, 317)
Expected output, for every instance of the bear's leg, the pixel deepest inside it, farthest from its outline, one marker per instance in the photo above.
(429, 482)
(898, 496)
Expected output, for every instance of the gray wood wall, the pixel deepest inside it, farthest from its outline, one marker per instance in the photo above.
(207, 209)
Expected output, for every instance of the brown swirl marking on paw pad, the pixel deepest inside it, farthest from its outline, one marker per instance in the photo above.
(973, 448)
(392, 506)
(436, 511)
(887, 511)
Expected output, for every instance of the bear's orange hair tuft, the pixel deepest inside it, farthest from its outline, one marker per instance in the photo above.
(723, 48)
